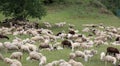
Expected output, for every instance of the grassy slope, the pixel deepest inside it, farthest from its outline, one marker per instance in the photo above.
(77, 14)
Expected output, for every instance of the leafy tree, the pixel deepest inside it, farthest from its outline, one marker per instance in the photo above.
(22, 9)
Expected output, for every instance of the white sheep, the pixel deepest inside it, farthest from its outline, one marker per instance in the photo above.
(81, 54)
(34, 56)
(16, 55)
(74, 63)
(32, 47)
(10, 46)
(12, 62)
(43, 61)
(108, 58)
(24, 48)
(53, 63)
(75, 45)
(72, 55)
(63, 63)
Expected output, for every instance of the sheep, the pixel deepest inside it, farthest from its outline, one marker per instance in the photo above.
(53, 63)
(75, 45)
(82, 54)
(118, 57)
(112, 50)
(90, 52)
(32, 47)
(42, 46)
(37, 38)
(66, 43)
(63, 63)
(12, 62)
(10, 46)
(34, 56)
(3, 36)
(43, 61)
(16, 55)
(72, 55)
(1, 57)
(108, 58)
(24, 48)
(61, 24)
(74, 63)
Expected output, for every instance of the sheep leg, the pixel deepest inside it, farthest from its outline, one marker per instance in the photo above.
(105, 63)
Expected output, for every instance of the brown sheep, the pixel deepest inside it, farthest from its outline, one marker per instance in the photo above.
(112, 50)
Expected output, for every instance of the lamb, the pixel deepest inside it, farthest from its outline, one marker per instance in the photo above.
(108, 58)
(43, 61)
(16, 55)
(75, 45)
(12, 62)
(74, 63)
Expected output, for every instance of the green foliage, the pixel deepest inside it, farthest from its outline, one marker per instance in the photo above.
(22, 8)
(113, 5)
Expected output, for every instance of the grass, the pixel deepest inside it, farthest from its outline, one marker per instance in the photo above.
(73, 13)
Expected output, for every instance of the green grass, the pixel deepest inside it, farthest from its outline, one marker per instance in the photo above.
(74, 13)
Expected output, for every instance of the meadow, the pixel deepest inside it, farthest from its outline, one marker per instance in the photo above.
(72, 13)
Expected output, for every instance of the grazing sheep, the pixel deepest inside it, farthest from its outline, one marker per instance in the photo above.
(12, 62)
(63, 63)
(66, 43)
(42, 46)
(43, 61)
(24, 48)
(10, 46)
(32, 47)
(34, 56)
(82, 54)
(75, 45)
(108, 58)
(3, 36)
(72, 55)
(16, 55)
(112, 50)
(74, 63)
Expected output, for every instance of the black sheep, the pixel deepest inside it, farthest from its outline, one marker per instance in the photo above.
(66, 43)
(3, 36)
(112, 50)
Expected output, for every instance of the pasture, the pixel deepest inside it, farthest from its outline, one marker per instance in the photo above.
(71, 15)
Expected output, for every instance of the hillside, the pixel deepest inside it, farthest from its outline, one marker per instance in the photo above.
(79, 12)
